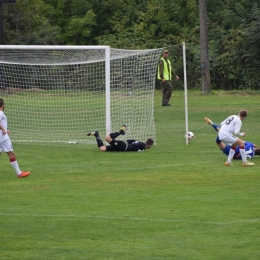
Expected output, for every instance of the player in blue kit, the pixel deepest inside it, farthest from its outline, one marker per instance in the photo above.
(121, 146)
(250, 149)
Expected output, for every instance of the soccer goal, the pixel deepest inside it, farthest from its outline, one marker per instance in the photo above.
(60, 93)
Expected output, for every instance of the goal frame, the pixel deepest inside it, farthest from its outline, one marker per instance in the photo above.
(106, 57)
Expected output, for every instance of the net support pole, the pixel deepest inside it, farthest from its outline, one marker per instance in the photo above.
(108, 113)
(185, 93)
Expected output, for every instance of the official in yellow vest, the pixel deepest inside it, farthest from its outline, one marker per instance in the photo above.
(165, 74)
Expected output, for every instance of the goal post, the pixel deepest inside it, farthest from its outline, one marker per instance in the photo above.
(59, 93)
(185, 92)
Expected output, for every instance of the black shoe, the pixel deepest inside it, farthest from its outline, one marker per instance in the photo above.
(122, 130)
(166, 104)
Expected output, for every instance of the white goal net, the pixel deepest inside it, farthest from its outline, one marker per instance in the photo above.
(60, 93)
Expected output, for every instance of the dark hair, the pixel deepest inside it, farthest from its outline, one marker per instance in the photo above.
(257, 151)
(149, 141)
(243, 113)
(1, 102)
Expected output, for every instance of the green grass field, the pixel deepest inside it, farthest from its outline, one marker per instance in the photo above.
(174, 201)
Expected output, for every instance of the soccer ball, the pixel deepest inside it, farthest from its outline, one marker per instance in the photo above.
(190, 136)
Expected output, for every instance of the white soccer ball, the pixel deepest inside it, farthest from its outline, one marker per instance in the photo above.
(190, 136)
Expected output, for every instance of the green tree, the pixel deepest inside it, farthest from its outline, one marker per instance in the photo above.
(252, 78)
(75, 18)
(150, 24)
(231, 62)
(25, 23)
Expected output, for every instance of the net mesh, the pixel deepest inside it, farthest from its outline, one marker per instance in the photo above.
(59, 95)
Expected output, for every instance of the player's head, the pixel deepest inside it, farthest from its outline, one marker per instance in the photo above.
(257, 151)
(149, 143)
(2, 103)
(242, 114)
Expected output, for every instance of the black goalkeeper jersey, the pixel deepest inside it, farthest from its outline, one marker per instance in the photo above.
(133, 145)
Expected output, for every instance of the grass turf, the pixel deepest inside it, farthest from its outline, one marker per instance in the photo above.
(174, 201)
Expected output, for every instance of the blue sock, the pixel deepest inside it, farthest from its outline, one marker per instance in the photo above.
(216, 127)
(217, 140)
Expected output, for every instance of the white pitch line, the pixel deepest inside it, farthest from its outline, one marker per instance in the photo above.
(132, 218)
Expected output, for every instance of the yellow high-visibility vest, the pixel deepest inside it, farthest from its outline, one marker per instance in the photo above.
(167, 74)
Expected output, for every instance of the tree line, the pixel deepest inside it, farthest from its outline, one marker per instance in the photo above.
(233, 29)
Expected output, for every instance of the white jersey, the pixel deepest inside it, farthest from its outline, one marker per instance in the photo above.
(230, 126)
(3, 123)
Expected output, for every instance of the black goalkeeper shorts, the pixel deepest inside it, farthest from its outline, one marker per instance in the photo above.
(116, 146)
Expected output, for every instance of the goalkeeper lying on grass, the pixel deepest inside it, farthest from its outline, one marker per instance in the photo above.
(121, 146)
(250, 148)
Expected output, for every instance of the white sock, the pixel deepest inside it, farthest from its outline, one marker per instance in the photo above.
(14, 164)
(230, 155)
(243, 154)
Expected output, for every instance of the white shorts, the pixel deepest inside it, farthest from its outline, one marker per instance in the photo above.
(6, 146)
(228, 139)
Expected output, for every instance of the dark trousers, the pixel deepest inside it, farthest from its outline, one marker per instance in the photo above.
(167, 91)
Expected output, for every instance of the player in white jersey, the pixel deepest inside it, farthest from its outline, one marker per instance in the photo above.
(6, 144)
(229, 127)
(251, 149)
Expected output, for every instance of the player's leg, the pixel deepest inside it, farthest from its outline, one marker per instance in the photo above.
(229, 140)
(116, 134)
(15, 166)
(109, 139)
(7, 147)
(98, 139)
(241, 143)
(13, 162)
(220, 144)
(230, 155)
(215, 126)
(103, 148)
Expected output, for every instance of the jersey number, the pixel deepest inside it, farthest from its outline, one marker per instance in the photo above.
(230, 119)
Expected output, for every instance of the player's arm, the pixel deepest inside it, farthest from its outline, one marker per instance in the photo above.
(3, 130)
(249, 143)
(138, 146)
(238, 125)
(141, 147)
